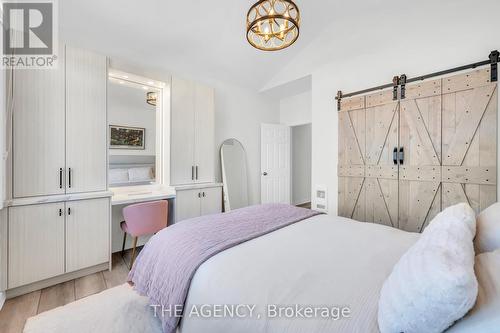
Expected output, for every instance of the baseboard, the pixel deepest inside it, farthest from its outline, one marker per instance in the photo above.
(18, 291)
(3, 297)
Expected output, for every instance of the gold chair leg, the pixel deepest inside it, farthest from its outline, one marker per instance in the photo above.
(124, 240)
(133, 253)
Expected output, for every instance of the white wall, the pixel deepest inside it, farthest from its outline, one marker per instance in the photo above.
(127, 107)
(385, 42)
(301, 164)
(238, 114)
(296, 110)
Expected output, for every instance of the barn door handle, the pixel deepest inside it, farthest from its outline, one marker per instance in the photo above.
(401, 155)
(395, 155)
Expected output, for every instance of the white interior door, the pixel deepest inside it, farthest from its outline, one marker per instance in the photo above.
(275, 163)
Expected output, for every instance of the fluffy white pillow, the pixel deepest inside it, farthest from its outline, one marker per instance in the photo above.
(485, 316)
(488, 230)
(140, 174)
(433, 284)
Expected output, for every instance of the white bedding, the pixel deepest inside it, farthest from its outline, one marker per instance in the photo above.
(323, 261)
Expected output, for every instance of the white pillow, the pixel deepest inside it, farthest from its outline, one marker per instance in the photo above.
(485, 316)
(139, 174)
(433, 284)
(488, 229)
(118, 176)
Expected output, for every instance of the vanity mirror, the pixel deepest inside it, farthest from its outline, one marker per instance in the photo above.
(134, 121)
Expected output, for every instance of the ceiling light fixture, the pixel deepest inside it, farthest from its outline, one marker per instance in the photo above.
(273, 25)
(151, 97)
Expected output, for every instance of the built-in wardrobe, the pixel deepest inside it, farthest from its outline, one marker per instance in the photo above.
(401, 160)
(58, 207)
(192, 156)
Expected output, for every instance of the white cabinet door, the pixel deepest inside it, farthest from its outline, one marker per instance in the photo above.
(211, 200)
(204, 134)
(86, 129)
(36, 243)
(187, 204)
(182, 132)
(87, 233)
(38, 131)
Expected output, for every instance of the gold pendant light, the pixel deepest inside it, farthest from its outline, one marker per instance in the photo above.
(151, 97)
(273, 24)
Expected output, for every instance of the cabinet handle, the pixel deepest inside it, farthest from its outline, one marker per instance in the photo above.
(60, 212)
(69, 210)
(69, 177)
(401, 156)
(60, 177)
(395, 155)
(203, 194)
(199, 195)
(192, 172)
(196, 172)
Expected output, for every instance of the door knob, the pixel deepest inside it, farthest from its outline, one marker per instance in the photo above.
(264, 174)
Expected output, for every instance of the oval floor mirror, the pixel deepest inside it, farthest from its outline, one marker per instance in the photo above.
(234, 174)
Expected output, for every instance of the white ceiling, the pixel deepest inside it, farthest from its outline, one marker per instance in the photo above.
(197, 38)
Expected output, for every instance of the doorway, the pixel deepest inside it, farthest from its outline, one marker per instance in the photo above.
(301, 154)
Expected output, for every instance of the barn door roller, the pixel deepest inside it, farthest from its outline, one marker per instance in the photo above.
(494, 57)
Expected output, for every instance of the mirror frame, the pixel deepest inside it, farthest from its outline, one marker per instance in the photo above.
(224, 183)
(162, 144)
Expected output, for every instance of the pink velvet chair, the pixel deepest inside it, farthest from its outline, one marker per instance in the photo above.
(143, 219)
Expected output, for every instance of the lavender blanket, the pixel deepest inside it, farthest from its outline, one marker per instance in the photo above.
(165, 267)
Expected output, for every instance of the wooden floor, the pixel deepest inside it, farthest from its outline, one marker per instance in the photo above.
(305, 205)
(16, 310)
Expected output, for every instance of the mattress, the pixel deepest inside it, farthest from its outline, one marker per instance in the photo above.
(330, 267)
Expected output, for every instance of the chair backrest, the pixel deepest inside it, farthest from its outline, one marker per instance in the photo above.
(146, 218)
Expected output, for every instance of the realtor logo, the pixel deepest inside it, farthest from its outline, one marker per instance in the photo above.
(29, 34)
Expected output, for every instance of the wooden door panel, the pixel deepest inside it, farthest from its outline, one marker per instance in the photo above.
(469, 140)
(419, 203)
(381, 201)
(351, 167)
(350, 189)
(381, 185)
(351, 145)
(420, 170)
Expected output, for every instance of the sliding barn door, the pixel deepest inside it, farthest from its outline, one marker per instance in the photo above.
(368, 176)
(351, 165)
(381, 172)
(470, 105)
(420, 155)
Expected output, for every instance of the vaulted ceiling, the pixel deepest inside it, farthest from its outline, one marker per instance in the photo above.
(197, 38)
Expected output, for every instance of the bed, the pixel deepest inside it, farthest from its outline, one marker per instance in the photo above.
(317, 262)
(279, 268)
(340, 263)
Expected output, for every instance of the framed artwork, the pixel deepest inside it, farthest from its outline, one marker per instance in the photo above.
(123, 137)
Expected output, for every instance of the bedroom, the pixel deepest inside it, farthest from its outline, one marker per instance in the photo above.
(151, 166)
